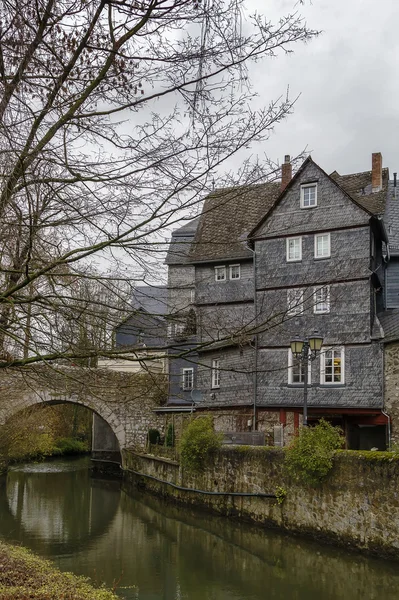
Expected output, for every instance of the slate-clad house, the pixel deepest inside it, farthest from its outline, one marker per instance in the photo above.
(142, 331)
(265, 263)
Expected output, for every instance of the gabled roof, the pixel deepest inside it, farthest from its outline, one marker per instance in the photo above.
(228, 216)
(180, 244)
(151, 298)
(357, 187)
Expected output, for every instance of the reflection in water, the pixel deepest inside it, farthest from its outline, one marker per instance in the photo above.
(158, 552)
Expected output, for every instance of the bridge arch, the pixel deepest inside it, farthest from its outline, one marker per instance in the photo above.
(97, 406)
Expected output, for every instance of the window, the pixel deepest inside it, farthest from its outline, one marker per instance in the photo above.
(321, 300)
(309, 195)
(220, 273)
(294, 249)
(296, 370)
(192, 296)
(332, 366)
(188, 379)
(215, 373)
(235, 272)
(322, 245)
(294, 302)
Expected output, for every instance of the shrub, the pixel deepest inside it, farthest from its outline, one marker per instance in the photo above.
(309, 458)
(197, 442)
(170, 436)
(70, 446)
(154, 436)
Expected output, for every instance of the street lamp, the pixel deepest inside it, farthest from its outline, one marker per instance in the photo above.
(305, 350)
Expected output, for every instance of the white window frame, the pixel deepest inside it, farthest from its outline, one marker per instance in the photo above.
(291, 370)
(288, 249)
(221, 268)
(231, 267)
(189, 372)
(304, 187)
(323, 353)
(326, 302)
(294, 302)
(215, 373)
(316, 237)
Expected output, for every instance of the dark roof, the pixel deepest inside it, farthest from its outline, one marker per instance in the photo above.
(151, 298)
(358, 187)
(180, 244)
(227, 218)
(391, 218)
(230, 215)
(390, 324)
(220, 344)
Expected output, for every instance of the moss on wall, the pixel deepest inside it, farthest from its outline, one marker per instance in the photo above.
(356, 506)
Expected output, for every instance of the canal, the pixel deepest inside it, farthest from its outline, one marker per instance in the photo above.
(150, 550)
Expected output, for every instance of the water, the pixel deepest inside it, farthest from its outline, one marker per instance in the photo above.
(153, 551)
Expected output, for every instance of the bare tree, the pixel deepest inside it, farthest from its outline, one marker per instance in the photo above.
(114, 118)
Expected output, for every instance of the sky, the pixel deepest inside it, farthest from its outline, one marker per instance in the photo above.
(347, 81)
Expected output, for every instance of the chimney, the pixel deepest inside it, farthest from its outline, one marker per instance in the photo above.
(376, 172)
(286, 172)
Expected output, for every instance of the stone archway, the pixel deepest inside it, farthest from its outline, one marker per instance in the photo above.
(125, 401)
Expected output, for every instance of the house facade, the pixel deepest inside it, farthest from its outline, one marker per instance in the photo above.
(267, 263)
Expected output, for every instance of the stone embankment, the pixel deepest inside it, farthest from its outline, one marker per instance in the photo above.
(357, 506)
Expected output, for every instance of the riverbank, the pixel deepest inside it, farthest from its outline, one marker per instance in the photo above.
(57, 448)
(25, 576)
(357, 506)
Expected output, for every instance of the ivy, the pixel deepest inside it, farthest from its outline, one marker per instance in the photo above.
(309, 458)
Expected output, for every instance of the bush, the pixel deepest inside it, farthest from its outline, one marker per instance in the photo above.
(69, 446)
(309, 458)
(197, 442)
(154, 436)
(170, 436)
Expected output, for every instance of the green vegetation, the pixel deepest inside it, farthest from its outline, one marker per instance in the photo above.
(170, 436)
(280, 494)
(154, 436)
(43, 431)
(309, 458)
(198, 442)
(24, 576)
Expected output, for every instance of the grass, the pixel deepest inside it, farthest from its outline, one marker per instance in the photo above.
(25, 576)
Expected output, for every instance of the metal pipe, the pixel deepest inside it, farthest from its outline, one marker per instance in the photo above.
(255, 375)
(305, 359)
(184, 489)
(389, 429)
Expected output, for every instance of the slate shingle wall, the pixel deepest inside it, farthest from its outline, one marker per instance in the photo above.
(236, 376)
(334, 209)
(363, 380)
(207, 290)
(222, 321)
(348, 321)
(180, 284)
(350, 258)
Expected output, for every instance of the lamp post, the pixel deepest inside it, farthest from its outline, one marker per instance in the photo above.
(306, 350)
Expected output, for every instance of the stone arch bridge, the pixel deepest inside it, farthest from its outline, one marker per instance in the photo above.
(123, 403)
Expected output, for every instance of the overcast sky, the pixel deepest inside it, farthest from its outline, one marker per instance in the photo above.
(348, 81)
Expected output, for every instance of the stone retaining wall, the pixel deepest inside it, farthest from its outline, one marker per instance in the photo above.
(357, 506)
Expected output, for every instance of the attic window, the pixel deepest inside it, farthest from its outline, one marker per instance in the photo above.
(309, 195)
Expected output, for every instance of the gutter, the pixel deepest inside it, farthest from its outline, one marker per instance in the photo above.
(255, 378)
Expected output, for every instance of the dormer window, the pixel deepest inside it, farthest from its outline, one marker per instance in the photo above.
(309, 195)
